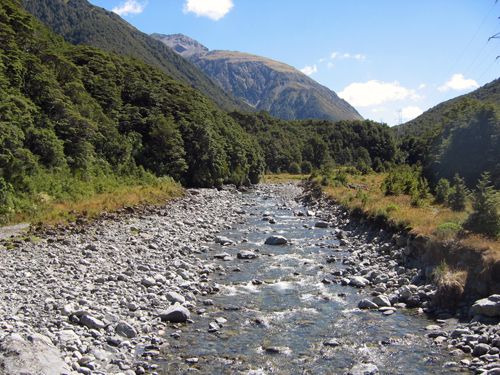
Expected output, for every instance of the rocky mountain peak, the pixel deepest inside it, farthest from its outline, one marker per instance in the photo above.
(183, 45)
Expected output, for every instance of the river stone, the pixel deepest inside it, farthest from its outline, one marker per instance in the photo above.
(358, 281)
(480, 349)
(367, 304)
(36, 356)
(126, 330)
(247, 254)
(488, 306)
(382, 301)
(175, 314)
(92, 322)
(363, 369)
(223, 240)
(276, 240)
(322, 224)
(174, 297)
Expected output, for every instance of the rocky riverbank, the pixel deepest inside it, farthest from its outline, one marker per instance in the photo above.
(112, 296)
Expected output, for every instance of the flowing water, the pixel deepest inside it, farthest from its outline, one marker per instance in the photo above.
(285, 313)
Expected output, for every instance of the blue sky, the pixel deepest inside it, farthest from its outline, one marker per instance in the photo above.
(387, 58)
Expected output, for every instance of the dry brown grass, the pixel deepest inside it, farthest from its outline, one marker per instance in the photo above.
(423, 220)
(284, 177)
(55, 213)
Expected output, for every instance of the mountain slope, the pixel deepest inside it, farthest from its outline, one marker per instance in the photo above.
(433, 116)
(80, 22)
(263, 83)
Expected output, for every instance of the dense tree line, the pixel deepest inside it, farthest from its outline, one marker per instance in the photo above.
(89, 112)
(79, 22)
(466, 141)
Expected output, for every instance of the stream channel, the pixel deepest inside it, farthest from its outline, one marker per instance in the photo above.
(278, 313)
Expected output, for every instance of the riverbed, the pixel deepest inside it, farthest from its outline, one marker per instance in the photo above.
(92, 296)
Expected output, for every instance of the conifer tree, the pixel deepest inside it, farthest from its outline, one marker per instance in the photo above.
(485, 218)
(457, 199)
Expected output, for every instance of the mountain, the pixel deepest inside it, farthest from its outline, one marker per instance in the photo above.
(265, 84)
(433, 116)
(80, 22)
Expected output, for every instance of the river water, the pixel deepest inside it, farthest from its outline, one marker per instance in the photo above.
(279, 315)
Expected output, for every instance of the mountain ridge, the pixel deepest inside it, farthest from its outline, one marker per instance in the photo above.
(265, 84)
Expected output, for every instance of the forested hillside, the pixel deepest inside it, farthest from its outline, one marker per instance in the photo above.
(80, 22)
(70, 113)
(465, 141)
(431, 117)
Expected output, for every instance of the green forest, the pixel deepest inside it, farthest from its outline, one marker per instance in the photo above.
(76, 120)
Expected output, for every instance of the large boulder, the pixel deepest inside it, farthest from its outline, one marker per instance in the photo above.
(276, 240)
(488, 306)
(175, 314)
(36, 356)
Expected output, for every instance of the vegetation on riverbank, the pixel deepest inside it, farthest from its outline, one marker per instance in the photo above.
(465, 258)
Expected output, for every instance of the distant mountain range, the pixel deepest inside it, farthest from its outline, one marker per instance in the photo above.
(80, 22)
(265, 84)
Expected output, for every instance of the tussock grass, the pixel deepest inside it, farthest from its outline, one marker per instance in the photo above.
(284, 177)
(430, 220)
(55, 212)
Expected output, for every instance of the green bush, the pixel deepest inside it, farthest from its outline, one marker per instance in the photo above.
(447, 231)
(391, 208)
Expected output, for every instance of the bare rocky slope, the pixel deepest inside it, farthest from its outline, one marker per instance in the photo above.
(265, 84)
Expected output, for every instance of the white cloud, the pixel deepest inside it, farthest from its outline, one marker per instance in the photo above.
(214, 9)
(330, 65)
(347, 55)
(309, 70)
(422, 86)
(458, 82)
(375, 92)
(409, 113)
(130, 7)
(381, 109)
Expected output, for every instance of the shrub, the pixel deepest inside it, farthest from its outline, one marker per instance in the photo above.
(391, 208)
(294, 168)
(447, 231)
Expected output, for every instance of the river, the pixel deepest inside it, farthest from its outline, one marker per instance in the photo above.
(284, 312)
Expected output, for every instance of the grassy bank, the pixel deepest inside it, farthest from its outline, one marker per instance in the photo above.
(464, 259)
(59, 198)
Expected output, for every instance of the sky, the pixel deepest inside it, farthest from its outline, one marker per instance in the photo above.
(390, 59)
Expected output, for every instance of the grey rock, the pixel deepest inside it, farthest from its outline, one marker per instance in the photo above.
(480, 349)
(126, 330)
(92, 322)
(36, 356)
(322, 224)
(488, 306)
(364, 369)
(382, 301)
(359, 281)
(367, 304)
(174, 297)
(175, 314)
(247, 254)
(276, 240)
